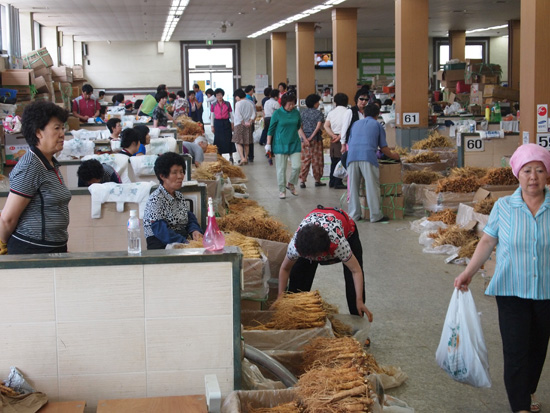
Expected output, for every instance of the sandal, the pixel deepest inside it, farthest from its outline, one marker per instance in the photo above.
(535, 405)
(302, 184)
(292, 189)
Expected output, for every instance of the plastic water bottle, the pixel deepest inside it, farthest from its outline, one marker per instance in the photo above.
(213, 239)
(134, 234)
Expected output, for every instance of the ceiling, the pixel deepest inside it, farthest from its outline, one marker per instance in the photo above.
(143, 20)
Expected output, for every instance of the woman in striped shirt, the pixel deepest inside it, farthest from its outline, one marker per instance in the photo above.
(35, 217)
(518, 227)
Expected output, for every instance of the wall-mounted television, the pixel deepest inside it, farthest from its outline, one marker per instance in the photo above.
(323, 60)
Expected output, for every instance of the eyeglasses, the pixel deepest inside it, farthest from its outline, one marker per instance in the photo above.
(363, 99)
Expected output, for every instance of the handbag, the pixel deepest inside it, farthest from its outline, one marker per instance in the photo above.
(344, 159)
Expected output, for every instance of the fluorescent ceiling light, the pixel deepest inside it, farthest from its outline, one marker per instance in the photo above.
(174, 14)
(325, 5)
(486, 28)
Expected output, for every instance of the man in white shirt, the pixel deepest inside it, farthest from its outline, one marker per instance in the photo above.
(336, 119)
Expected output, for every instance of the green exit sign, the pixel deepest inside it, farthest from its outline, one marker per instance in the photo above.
(210, 42)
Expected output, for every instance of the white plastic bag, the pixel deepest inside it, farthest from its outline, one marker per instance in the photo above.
(462, 352)
(340, 171)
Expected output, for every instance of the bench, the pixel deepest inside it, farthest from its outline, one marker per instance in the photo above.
(172, 404)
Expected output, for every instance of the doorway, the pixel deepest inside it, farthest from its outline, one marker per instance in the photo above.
(212, 67)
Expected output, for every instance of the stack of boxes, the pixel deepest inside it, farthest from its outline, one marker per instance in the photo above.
(391, 192)
(380, 84)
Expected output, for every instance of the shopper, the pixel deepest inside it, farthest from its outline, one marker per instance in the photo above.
(221, 119)
(312, 148)
(354, 114)
(325, 236)
(285, 132)
(366, 137)
(144, 138)
(194, 108)
(180, 105)
(270, 106)
(243, 119)
(518, 228)
(167, 218)
(160, 116)
(35, 217)
(199, 97)
(333, 125)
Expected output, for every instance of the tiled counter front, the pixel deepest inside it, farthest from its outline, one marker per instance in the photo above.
(96, 326)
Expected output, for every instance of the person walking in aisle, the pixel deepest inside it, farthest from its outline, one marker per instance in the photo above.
(221, 120)
(199, 96)
(367, 135)
(333, 126)
(518, 228)
(312, 148)
(270, 106)
(243, 119)
(285, 132)
(249, 91)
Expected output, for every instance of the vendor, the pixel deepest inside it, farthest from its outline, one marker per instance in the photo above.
(326, 236)
(35, 217)
(196, 149)
(115, 127)
(129, 142)
(94, 172)
(167, 219)
(144, 138)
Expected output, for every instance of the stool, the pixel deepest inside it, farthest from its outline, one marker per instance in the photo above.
(64, 407)
(172, 404)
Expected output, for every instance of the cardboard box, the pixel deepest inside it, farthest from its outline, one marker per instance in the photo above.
(490, 79)
(476, 98)
(390, 173)
(392, 206)
(6, 110)
(15, 152)
(78, 72)
(41, 85)
(15, 77)
(43, 71)
(449, 75)
(62, 74)
(4, 63)
(496, 91)
(37, 59)
(438, 201)
(450, 84)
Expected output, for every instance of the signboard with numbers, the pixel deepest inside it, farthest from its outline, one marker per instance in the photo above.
(412, 118)
(474, 144)
(543, 139)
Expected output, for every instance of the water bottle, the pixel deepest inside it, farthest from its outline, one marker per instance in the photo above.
(134, 234)
(213, 239)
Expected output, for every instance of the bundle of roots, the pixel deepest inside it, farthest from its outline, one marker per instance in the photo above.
(458, 184)
(249, 246)
(468, 171)
(424, 177)
(485, 206)
(434, 140)
(447, 216)
(424, 157)
(452, 235)
(500, 176)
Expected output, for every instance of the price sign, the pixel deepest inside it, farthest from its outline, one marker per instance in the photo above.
(474, 145)
(543, 140)
(411, 118)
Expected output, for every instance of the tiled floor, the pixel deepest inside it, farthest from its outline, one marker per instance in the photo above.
(408, 292)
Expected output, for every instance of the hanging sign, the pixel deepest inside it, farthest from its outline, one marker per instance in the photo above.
(542, 118)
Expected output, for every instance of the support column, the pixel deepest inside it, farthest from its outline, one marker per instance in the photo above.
(535, 59)
(278, 58)
(514, 38)
(344, 48)
(457, 42)
(411, 71)
(305, 67)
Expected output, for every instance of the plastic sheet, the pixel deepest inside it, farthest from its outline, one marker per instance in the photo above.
(256, 275)
(423, 225)
(413, 195)
(143, 165)
(76, 148)
(253, 379)
(158, 146)
(118, 162)
(241, 401)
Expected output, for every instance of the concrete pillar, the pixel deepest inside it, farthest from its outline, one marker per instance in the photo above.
(278, 58)
(514, 38)
(305, 65)
(411, 70)
(457, 42)
(344, 48)
(534, 62)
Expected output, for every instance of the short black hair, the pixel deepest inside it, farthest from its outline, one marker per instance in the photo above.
(101, 93)
(288, 97)
(267, 91)
(87, 88)
(377, 102)
(219, 90)
(90, 169)
(161, 95)
(388, 102)
(312, 99)
(283, 84)
(172, 96)
(103, 110)
(119, 97)
(196, 85)
(142, 130)
(372, 109)
(274, 93)
(161, 87)
(312, 240)
(248, 88)
(327, 88)
(37, 115)
(127, 137)
(180, 93)
(191, 92)
(239, 93)
(341, 99)
(361, 92)
(164, 163)
(111, 124)
(138, 103)
(209, 91)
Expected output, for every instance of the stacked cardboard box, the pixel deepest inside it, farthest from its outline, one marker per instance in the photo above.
(37, 59)
(62, 74)
(449, 78)
(391, 190)
(379, 81)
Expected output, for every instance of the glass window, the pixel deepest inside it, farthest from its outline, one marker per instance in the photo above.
(474, 51)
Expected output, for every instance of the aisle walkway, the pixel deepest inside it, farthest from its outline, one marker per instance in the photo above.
(408, 293)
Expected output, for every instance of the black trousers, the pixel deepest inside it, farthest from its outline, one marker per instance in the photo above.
(16, 247)
(333, 181)
(303, 274)
(525, 330)
(251, 148)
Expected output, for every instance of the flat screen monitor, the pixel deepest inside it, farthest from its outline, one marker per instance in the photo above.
(323, 60)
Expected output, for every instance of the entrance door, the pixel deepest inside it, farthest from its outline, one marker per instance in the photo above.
(211, 67)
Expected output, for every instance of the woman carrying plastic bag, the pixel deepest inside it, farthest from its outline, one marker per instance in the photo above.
(462, 352)
(518, 227)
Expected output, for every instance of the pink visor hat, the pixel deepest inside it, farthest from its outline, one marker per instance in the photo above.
(529, 153)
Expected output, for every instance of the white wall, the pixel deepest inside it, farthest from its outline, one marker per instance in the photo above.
(49, 41)
(133, 65)
(498, 54)
(25, 24)
(67, 51)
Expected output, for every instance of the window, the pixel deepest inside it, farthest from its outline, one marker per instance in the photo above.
(476, 48)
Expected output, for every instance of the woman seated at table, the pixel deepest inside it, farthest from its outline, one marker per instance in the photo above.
(35, 217)
(167, 218)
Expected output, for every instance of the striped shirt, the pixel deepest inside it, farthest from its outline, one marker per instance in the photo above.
(523, 249)
(45, 220)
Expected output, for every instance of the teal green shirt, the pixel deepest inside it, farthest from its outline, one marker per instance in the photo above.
(284, 130)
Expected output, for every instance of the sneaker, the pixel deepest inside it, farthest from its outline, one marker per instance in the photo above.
(384, 219)
(320, 184)
(282, 195)
(340, 186)
(302, 184)
(292, 189)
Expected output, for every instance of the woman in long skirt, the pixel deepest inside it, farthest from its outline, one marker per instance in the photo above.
(221, 117)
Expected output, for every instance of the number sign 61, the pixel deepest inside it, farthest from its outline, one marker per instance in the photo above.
(411, 118)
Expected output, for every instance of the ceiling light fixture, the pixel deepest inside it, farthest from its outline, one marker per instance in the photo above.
(323, 6)
(174, 14)
(486, 28)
